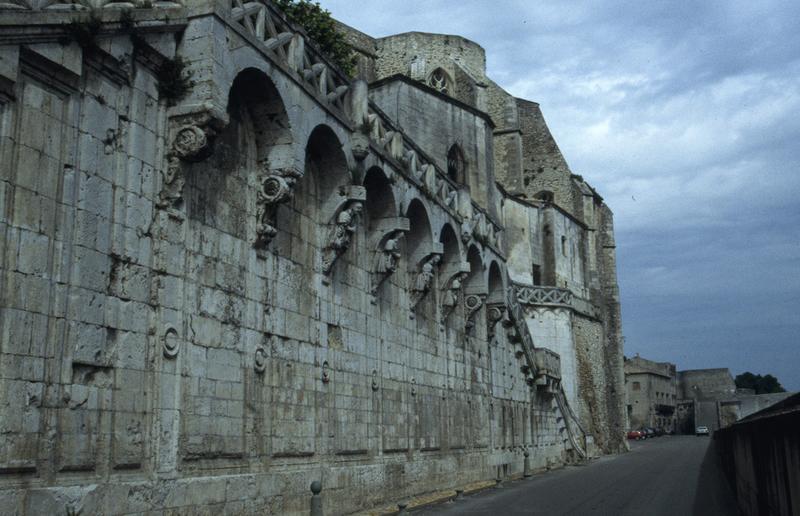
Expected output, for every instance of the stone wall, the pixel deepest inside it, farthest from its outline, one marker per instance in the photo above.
(706, 384)
(591, 378)
(552, 328)
(208, 301)
(417, 54)
(438, 124)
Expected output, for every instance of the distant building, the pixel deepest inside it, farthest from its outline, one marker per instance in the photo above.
(709, 397)
(651, 393)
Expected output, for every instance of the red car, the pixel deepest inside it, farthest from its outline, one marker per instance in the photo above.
(636, 434)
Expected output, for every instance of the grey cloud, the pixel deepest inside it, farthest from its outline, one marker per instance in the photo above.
(684, 116)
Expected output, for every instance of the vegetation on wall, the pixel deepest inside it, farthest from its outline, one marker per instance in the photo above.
(174, 80)
(84, 30)
(761, 384)
(321, 27)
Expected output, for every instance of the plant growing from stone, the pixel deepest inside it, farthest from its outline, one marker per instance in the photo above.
(321, 27)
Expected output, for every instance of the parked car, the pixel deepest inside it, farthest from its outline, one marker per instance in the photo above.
(701, 430)
(635, 435)
(650, 432)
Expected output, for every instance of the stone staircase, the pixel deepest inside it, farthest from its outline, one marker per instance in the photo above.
(543, 368)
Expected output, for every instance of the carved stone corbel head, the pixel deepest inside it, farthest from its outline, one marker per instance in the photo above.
(191, 141)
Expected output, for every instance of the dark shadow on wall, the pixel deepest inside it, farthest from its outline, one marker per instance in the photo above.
(713, 495)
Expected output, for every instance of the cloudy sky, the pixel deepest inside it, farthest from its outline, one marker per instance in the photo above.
(686, 117)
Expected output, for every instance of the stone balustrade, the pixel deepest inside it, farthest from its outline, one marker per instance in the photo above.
(543, 295)
(290, 46)
(555, 297)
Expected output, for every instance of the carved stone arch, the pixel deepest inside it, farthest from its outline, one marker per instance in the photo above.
(440, 80)
(423, 256)
(380, 202)
(256, 107)
(453, 270)
(475, 288)
(253, 90)
(420, 241)
(452, 246)
(476, 279)
(496, 298)
(318, 226)
(495, 281)
(250, 167)
(385, 229)
(545, 195)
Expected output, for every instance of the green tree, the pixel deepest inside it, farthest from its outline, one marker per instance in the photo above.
(760, 384)
(321, 27)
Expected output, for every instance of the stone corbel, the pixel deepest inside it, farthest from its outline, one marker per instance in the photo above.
(191, 140)
(479, 227)
(275, 187)
(447, 194)
(387, 258)
(411, 161)
(358, 110)
(496, 313)
(347, 208)
(453, 276)
(466, 230)
(345, 195)
(385, 243)
(426, 274)
(429, 180)
(472, 303)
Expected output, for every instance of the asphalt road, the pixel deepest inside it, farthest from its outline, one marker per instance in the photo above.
(671, 475)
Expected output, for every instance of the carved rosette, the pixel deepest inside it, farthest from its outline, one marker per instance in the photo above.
(190, 143)
(274, 189)
(375, 385)
(170, 343)
(260, 361)
(472, 303)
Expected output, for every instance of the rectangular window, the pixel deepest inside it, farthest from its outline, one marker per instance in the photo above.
(636, 386)
(537, 275)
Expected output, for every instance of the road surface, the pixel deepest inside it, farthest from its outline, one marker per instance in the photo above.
(671, 475)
